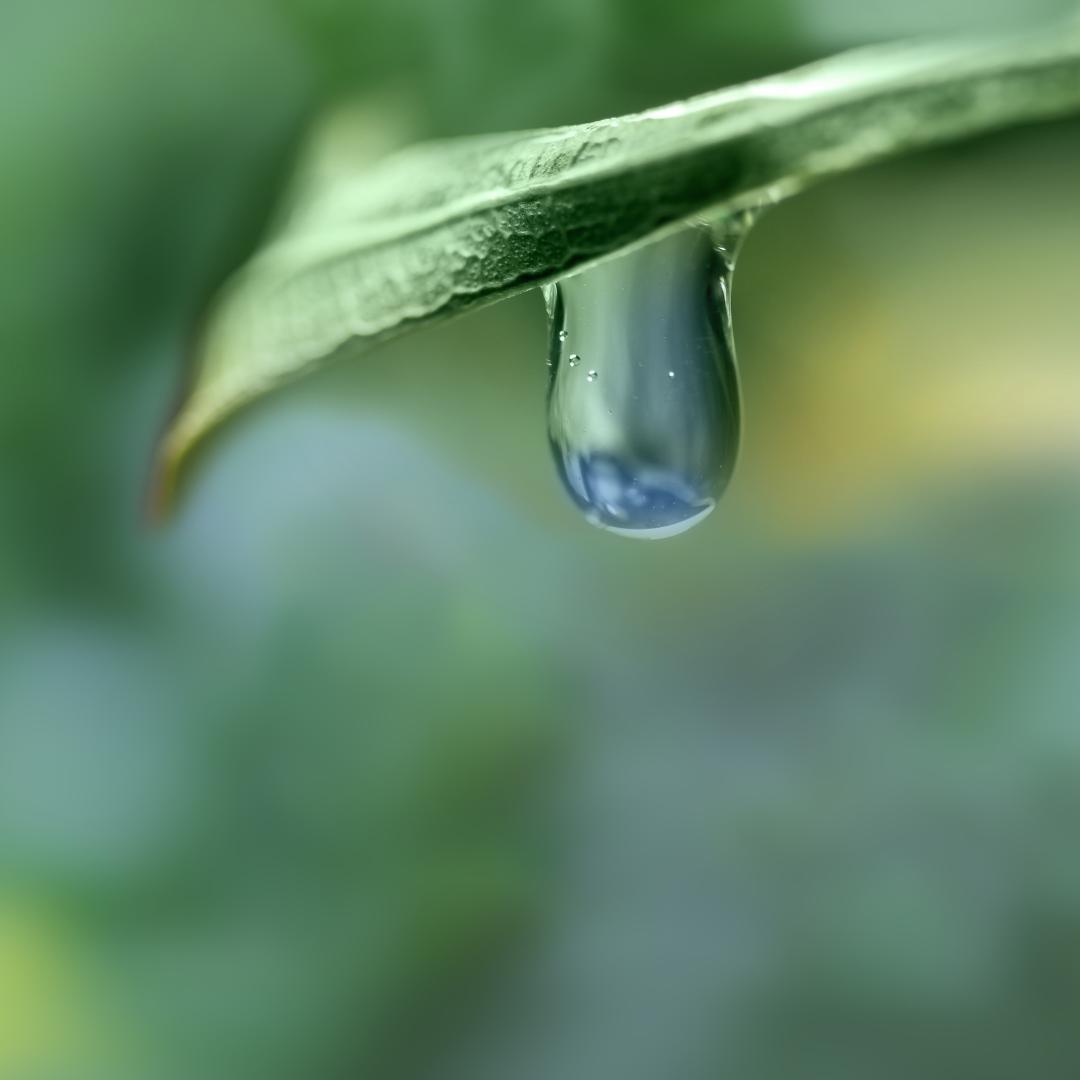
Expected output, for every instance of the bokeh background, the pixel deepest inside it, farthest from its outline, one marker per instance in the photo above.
(379, 761)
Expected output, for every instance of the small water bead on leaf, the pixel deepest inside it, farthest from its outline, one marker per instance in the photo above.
(564, 334)
(647, 451)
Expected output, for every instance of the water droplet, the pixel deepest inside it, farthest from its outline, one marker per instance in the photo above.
(564, 334)
(644, 453)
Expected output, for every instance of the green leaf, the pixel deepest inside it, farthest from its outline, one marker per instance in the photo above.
(442, 228)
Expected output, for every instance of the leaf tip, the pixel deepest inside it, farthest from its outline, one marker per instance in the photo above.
(160, 496)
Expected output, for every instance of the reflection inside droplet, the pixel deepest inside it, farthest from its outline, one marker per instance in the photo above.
(647, 450)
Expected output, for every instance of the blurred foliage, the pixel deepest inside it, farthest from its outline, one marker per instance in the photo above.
(380, 762)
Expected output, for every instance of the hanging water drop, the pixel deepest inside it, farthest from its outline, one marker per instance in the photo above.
(647, 451)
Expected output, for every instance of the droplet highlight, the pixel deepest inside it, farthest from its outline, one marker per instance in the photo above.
(646, 451)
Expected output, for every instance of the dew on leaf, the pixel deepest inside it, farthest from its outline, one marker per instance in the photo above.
(647, 451)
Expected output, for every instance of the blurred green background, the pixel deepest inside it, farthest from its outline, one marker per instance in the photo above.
(379, 762)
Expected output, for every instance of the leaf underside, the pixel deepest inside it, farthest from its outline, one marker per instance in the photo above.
(444, 227)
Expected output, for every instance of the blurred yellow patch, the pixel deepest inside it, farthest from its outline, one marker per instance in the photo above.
(866, 415)
(48, 1023)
